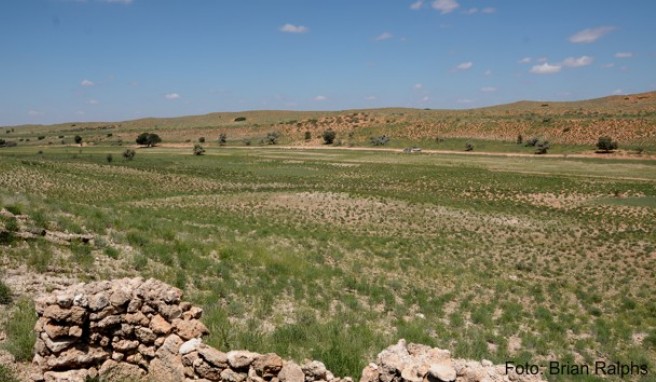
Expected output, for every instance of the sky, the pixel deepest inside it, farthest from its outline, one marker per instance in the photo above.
(113, 60)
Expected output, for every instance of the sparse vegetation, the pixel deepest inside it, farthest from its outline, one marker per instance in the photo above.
(198, 150)
(328, 136)
(469, 146)
(272, 138)
(109, 158)
(542, 146)
(381, 140)
(129, 154)
(20, 337)
(223, 139)
(5, 293)
(307, 135)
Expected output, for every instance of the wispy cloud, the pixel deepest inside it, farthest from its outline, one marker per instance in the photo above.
(546, 68)
(473, 11)
(93, 102)
(291, 28)
(465, 65)
(488, 89)
(618, 92)
(488, 10)
(525, 60)
(590, 35)
(370, 98)
(609, 65)
(417, 5)
(384, 36)
(623, 54)
(320, 98)
(87, 83)
(465, 100)
(572, 62)
(445, 6)
(418, 86)
(172, 96)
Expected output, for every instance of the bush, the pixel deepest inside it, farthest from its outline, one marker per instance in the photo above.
(328, 136)
(379, 141)
(20, 336)
(240, 119)
(109, 135)
(272, 138)
(109, 158)
(606, 144)
(4, 143)
(78, 139)
(41, 137)
(5, 294)
(198, 149)
(148, 139)
(223, 139)
(201, 139)
(307, 135)
(469, 146)
(247, 141)
(542, 147)
(531, 142)
(520, 139)
(129, 154)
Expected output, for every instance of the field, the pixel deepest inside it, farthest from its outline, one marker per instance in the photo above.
(335, 254)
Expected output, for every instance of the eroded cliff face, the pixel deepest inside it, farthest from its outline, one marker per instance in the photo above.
(141, 330)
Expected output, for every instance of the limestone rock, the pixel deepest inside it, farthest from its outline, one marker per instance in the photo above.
(241, 359)
(66, 376)
(121, 371)
(291, 372)
(229, 375)
(160, 326)
(188, 329)
(189, 346)
(267, 365)
(213, 356)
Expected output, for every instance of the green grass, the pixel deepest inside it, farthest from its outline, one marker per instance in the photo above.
(335, 254)
(20, 336)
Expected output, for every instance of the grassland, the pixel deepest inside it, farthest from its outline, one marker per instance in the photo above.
(335, 254)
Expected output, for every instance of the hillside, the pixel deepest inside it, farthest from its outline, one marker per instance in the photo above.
(630, 119)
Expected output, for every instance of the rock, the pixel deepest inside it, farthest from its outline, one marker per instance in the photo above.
(147, 351)
(170, 312)
(109, 321)
(171, 346)
(98, 302)
(58, 345)
(188, 329)
(75, 359)
(125, 345)
(74, 315)
(145, 335)
(134, 306)
(412, 373)
(64, 300)
(169, 369)
(81, 299)
(370, 373)
(291, 372)
(442, 372)
(229, 375)
(115, 371)
(119, 298)
(159, 325)
(204, 370)
(241, 359)
(55, 331)
(75, 331)
(314, 371)
(267, 365)
(190, 346)
(66, 376)
(213, 356)
(189, 358)
(137, 318)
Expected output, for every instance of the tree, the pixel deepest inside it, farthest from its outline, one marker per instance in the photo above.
(520, 139)
(329, 136)
(469, 146)
(129, 154)
(606, 144)
(109, 158)
(223, 139)
(198, 149)
(148, 139)
(542, 147)
(201, 139)
(78, 140)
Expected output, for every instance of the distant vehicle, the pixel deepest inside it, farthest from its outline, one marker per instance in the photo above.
(410, 150)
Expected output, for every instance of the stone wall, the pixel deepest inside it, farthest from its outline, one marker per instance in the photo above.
(141, 330)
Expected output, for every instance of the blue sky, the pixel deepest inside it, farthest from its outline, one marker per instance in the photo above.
(112, 60)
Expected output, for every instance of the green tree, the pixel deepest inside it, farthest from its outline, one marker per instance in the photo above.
(78, 140)
(606, 144)
(129, 154)
(198, 150)
(329, 136)
(148, 139)
(223, 139)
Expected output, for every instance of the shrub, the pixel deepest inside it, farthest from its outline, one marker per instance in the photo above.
(198, 149)
(61, 137)
(20, 336)
(542, 147)
(109, 135)
(308, 135)
(379, 141)
(109, 158)
(240, 119)
(5, 294)
(148, 139)
(329, 136)
(606, 144)
(6, 375)
(223, 139)
(41, 137)
(129, 154)
(201, 139)
(4, 143)
(78, 139)
(272, 138)
(247, 141)
(531, 142)
(469, 146)
(520, 139)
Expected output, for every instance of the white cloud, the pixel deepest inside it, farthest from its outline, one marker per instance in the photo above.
(488, 72)
(384, 36)
(370, 98)
(291, 28)
(465, 65)
(320, 98)
(418, 86)
(465, 100)
(79, 112)
(86, 82)
(546, 69)
(608, 66)
(572, 62)
(542, 60)
(93, 102)
(471, 11)
(172, 96)
(525, 60)
(488, 10)
(425, 99)
(488, 89)
(417, 5)
(623, 54)
(590, 35)
(618, 92)
(445, 6)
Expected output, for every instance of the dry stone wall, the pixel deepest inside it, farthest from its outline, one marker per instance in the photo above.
(141, 330)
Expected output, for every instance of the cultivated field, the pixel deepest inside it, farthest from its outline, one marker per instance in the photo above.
(335, 254)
